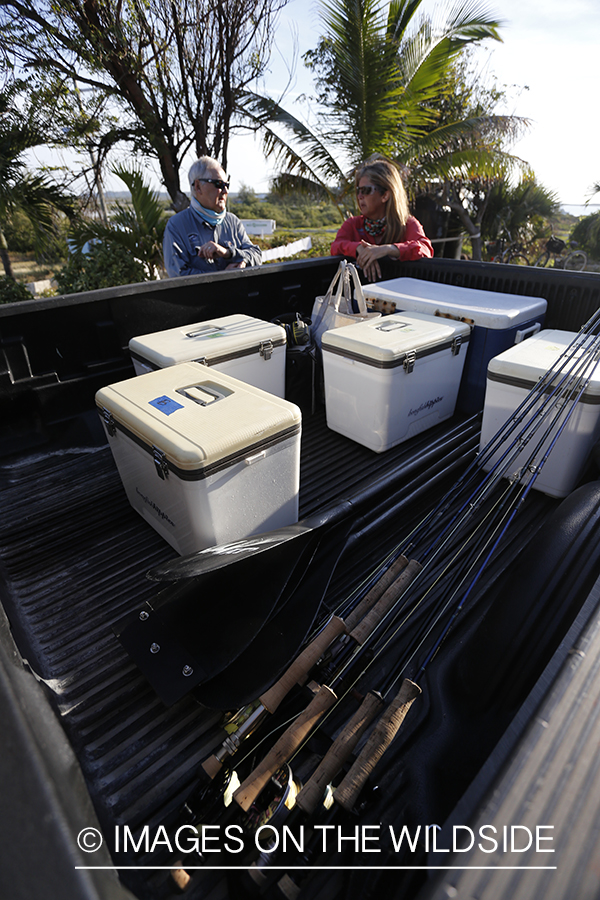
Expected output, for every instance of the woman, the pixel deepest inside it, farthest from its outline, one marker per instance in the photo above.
(385, 226)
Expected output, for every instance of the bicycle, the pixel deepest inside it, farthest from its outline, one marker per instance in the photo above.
(574, 261)
(512, 254)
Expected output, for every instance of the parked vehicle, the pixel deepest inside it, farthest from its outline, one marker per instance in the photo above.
(99, 774)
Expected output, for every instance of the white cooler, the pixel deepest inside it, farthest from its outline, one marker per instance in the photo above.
(498, 321)
(249, 349)
(203, 457)
(511, 376)
(391, 378)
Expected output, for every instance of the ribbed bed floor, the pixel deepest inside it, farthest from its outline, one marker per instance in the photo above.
(73, 561)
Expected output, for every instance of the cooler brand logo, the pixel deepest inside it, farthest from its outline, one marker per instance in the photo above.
(157, 509)
(165, 405)
(429, 404)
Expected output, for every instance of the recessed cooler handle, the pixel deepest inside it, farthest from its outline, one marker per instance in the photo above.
(527, 332)
(203, 394)
(204, 331)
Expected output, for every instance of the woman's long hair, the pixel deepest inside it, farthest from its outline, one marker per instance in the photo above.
(384, 174)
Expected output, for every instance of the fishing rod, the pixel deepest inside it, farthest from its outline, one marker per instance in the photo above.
(357, 626)
(312, 792)
(270, 701)
(308, 718)
(571, 396)
(576, 390)
(346, 794)
(360, 627)
(326, 697)
(528, 487)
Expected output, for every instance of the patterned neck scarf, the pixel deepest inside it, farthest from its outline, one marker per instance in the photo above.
(375, 227)
(207, 215)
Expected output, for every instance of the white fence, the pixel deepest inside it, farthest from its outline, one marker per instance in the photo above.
(287, 250)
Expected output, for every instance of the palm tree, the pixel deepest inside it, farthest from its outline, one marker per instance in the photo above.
(138, 226)
(382, 76)
(35, 195)
(512, 211)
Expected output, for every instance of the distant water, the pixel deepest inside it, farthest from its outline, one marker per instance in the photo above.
(580, 209)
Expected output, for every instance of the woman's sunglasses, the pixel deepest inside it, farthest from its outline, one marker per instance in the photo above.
(220, 185)
(367, 189)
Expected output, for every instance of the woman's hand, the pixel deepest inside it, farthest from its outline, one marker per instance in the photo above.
(367, 256)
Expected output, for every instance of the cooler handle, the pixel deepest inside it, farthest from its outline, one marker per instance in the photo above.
(204, 330)
(527, 332)
(205, 395)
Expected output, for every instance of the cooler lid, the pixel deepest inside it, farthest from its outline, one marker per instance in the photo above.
(524, 364)
(484, 308)
(214, 340)
(385, 342)
(197, 416)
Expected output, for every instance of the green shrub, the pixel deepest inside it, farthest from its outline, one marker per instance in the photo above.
(105, 265)
(19, 232)
(586, 235)
(12, 291)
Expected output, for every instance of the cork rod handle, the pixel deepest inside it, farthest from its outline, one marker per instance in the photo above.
(382, 736)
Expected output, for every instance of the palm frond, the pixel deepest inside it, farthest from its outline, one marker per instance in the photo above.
(138, 226)
(312, 159)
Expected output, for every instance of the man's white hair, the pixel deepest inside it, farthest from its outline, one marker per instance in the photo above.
(201, 167)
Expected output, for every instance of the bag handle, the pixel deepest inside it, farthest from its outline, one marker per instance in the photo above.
(351, 272)
(338, 279)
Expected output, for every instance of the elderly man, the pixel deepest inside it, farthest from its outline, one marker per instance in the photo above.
(205, 237)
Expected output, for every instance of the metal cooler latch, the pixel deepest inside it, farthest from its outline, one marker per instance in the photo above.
(266, 349)
(160, 461)
(409, 361)
(456, 345)
(111, 425)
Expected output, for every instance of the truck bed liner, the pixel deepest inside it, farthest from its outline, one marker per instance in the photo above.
(73, 560)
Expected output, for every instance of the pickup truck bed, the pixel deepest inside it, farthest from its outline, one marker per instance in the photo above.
(74, 557)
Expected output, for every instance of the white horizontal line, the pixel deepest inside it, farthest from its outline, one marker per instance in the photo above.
(321, 868)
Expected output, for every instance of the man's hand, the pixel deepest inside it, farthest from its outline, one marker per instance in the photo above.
(211, 250)
(238, 265)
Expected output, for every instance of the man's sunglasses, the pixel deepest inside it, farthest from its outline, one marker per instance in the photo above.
(367, 189)
(220, 185)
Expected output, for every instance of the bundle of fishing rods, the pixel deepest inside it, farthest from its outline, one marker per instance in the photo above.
(403, 614)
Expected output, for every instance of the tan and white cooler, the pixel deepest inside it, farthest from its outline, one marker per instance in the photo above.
(511, 376)
(203, 457)
(246, 348)
(391, 378)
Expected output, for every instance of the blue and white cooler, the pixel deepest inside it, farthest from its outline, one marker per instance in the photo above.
(498, 321)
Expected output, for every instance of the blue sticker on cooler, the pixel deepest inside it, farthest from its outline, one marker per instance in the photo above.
(166, 405)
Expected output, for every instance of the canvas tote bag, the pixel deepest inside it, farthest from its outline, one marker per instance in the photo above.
(335, 309)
